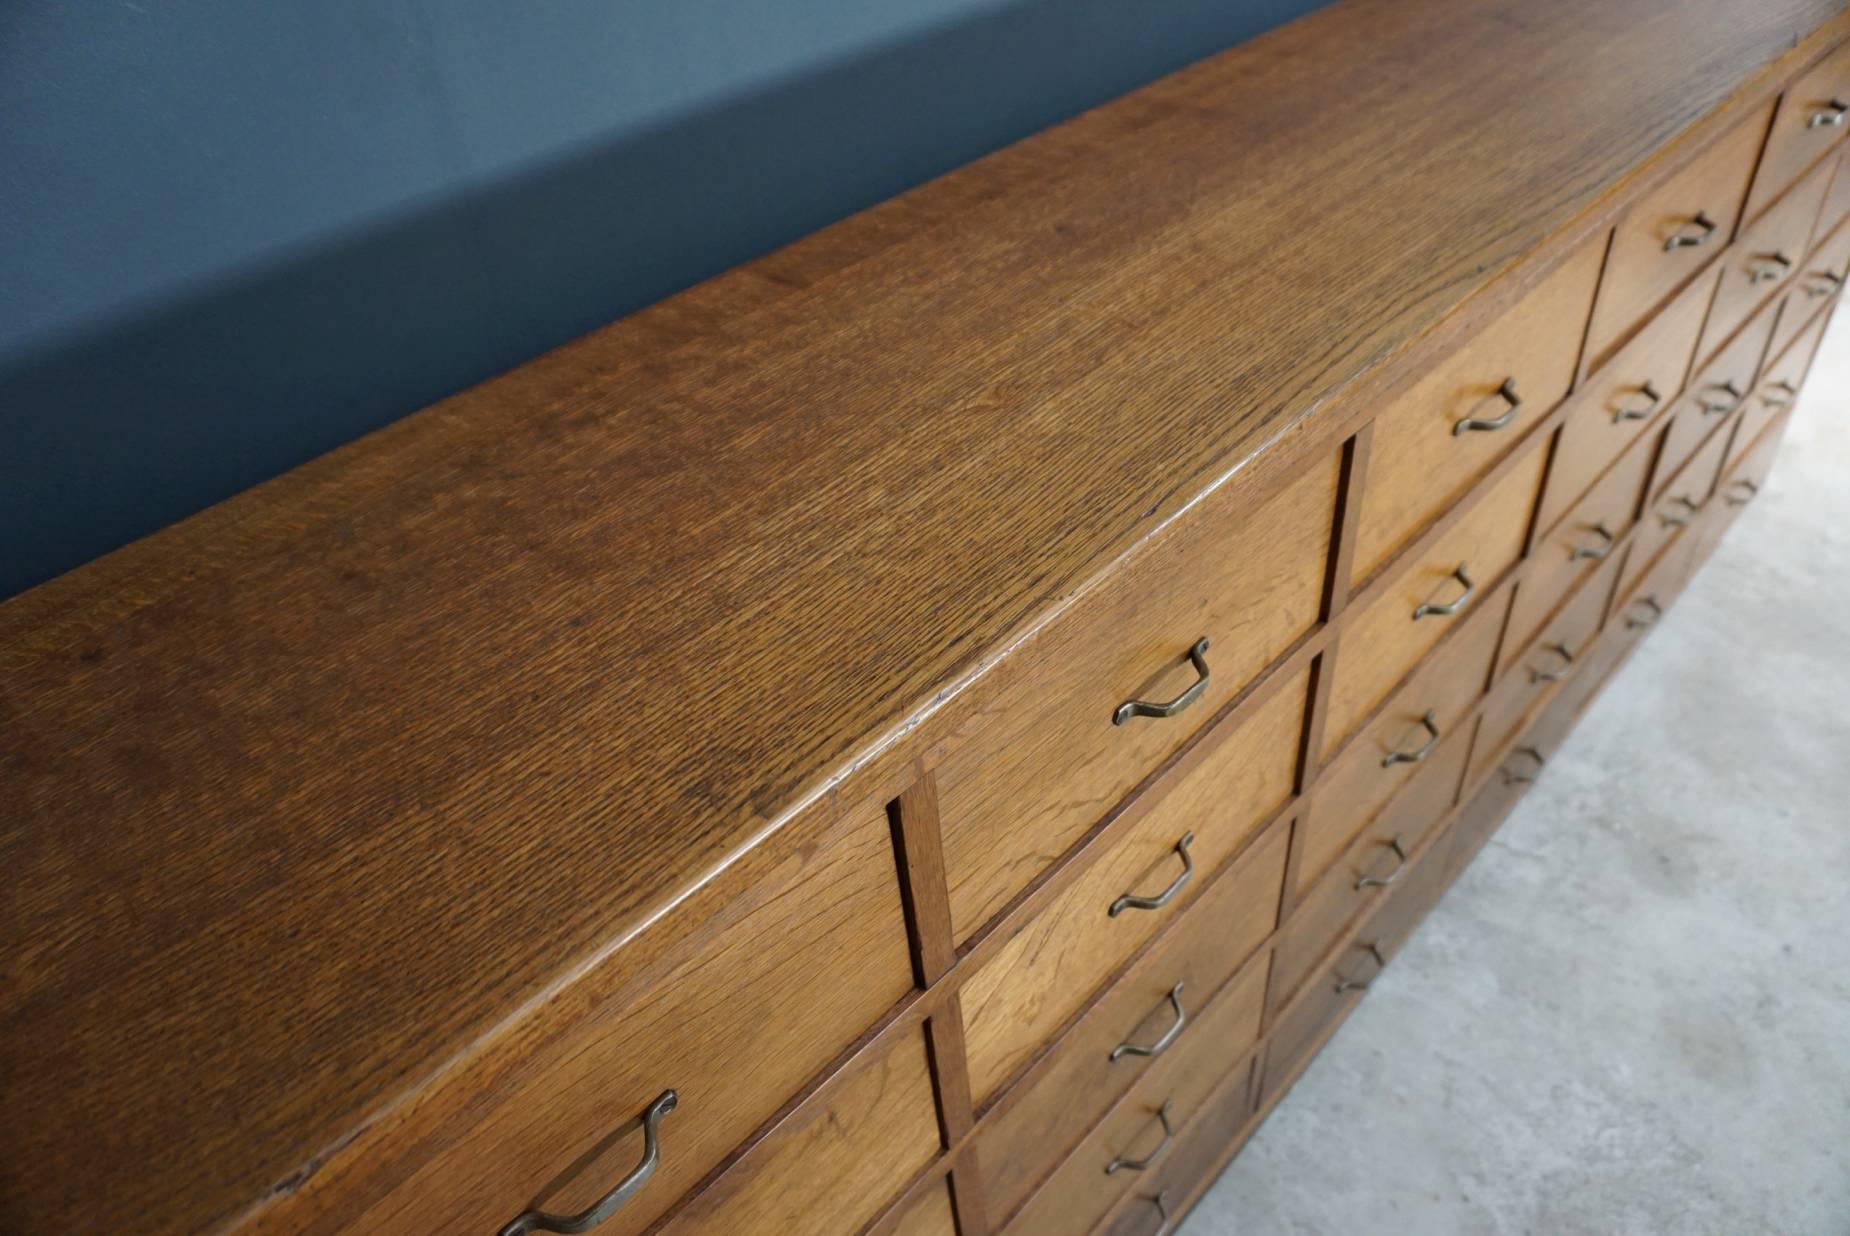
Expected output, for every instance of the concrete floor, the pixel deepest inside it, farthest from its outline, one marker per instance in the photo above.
(1632, 1013)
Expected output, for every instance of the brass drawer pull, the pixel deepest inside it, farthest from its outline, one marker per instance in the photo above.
(1781, 401)
(1830, 116)
(1768, 267)
(1415, 757)
(1131, 901)
(1681, 238)
(1639, 624)
(1144, 708)
(1122, 1164)
(607, 1205)
(1652, 399)
(1751, 488)
(1607, 541)
(1567, 660)
(1454, 606)
(1713, 407)
(1507, 394)
(1161, 1202)
(1169, 1036)
(1823, 283)
(1679, 521)
(1400, 861)
(1345, 986)
(1510, 778)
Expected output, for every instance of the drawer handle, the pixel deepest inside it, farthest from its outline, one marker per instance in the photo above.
(1510, 778)
(1131, 901)
(1823, 284)
(1507, 394)
(1751, 488)
(1161, 1202)
(1831, 116)
(1452, 607)
(1415, 757)
(1607, 541)
(1652, 399)
(1144, 708)
(1679, 521)
(1682, 238)
(1639, 624)
(1400, 860)
(1169, 1036)
(1780, 401)
(1345, 986)
(1768, 267)
(1122, 1164)
(1567, 660)
(607, 1205)
(1712, 407)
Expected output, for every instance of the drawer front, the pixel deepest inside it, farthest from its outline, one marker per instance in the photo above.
(1718, 390)
(929, 1215)
(1385, 754)
(1576, 547)
(1822, 278)
(830, 1166)
(1099, 1059)
(1402, 621)
(1150, 1209)
(1043, 975)
(1677, 507)
(1668, 236)
(1373, 863)
(1324, 1001)
(1765, 259)
(1624, 399)
(1806, 127)
(1044, 761)
(1785, 374)
(1837, 198)
(1137, 1135)
(732, 1027)
(1420, 463)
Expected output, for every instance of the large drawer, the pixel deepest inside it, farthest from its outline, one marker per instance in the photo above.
(1190, 827)
(1668, 236)
(1765, 258)
(1808, 124)
(1401, 621)
(1044, 759)
(1719, 389)
(1424, 455)
(729, 1027)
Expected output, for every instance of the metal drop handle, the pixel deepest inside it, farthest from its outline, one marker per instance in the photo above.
(1652, 398)
(1169, 1036)
(1161, 1202)
(1784, 401)
(607, 1205)
(1415, 757)
(1507, 393)
(1123, 1164)
(1567, 660)
(1829, 116)
(1682, 238)
(1131, 901)
(1768, 267)
(1198, 655)
(1678, 521)
(1607, 542)
(1751, 488)
(1830, 282)
(1510, 778)
(1400, 861)
(1345, 986)
(1454, 606)
(1714, 408)
(1638, 624)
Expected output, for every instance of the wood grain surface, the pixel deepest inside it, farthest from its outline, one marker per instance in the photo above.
(305, 800)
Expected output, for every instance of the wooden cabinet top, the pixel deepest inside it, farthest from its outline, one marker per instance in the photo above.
(309, 793)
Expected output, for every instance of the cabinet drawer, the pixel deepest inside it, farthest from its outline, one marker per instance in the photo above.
(1668, 236)
(832, 1165)
(1093, 1064)
(929, 1215)
(1044, 761)
(1151, 1207)
(1046, 972)
(1766, 257)
(1837, 198)
(1400, 622)
(1718, 390)
(1373, 863)
(732, 1027)
(1620, 402)
(1324, 1001)
(1420, 462)
(1384, 754)
(1136, 1136)
(1779, 390)
(1681, 501)
(1806, 127)
(1821, 279)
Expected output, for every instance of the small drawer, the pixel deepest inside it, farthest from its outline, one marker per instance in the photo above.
(1822, 278)
(1149, 1209)
(1677, 507)
(1146, 1014)
(1718, 390)
(1622, 401)
(731, 1029)
(930, 1214)
(1047, 757)
(1764, 260)
(831, 1165)
(1400, 621)
(1137, 1135)
(1388, 750)
(1574, 549)
(1188, 829)
(1670, 234)
(1324, 1001)
(1424, 456)
(1779, 389)
(1375, 861)
(1743, 477)
(1807, 126)
(1491, 804)
(1836, 206)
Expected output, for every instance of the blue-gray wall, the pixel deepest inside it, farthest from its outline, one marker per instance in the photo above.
(236, 233)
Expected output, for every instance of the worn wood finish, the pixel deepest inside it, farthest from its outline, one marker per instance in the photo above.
(929, 1215)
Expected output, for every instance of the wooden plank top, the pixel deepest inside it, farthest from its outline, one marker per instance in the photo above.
(308, 793)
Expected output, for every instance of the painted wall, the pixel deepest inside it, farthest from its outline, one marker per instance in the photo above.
(234, 235)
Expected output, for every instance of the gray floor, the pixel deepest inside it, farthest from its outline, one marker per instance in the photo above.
(1632, 1013)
